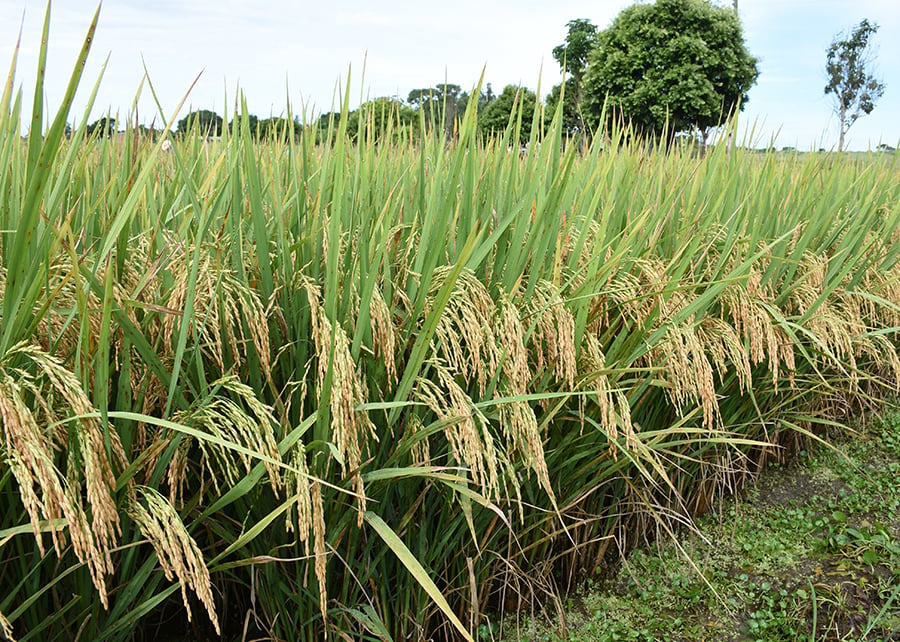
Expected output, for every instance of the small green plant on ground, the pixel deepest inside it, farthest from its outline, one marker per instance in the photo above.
(812, 552)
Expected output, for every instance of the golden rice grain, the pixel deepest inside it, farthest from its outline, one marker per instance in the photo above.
(471, 443)
(383, 338)
(177, 552)
(45, 493)
(553, 338)
(241, 420)
(6, 629)
(350, 428)
(321, 564)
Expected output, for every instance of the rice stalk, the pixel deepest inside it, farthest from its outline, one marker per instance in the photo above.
(31, 450)
(319, 535)
(224, 307)
(350, 428)
(463, 337)
(518, 422)
(243, 420)
(471, 443)
(176, 550)
(749, 306)
(552, 337)
(383, 336)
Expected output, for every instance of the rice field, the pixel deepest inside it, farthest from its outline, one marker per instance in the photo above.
(384, 385)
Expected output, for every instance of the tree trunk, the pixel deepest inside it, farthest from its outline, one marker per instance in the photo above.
(843, 119)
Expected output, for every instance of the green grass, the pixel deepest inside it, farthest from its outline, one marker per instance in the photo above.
(386, 384)
(810, 552)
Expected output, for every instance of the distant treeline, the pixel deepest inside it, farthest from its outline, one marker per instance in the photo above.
(429, 108)
(208, 123)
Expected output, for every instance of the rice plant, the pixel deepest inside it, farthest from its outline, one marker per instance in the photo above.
(382, 384)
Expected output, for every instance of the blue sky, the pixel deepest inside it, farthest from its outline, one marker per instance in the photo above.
(280, 50)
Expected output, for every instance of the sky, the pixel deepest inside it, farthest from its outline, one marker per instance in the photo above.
(280, 52)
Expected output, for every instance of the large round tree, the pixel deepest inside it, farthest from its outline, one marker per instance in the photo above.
(680, 64)
(208, 123)
(498, 114)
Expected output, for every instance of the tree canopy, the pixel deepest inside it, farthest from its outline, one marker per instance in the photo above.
(252, 121)
(497, 113)
(444, 99)
(572, 56)
(848, 66)
(680, 64)
(208, 123)
(571, 116)
(381, 116)
(279, 128)
(106, 127)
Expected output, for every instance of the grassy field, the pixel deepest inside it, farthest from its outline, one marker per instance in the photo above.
(398, 387)
(811, 553)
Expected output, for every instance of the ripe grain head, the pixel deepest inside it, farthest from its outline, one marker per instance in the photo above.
(177, 552)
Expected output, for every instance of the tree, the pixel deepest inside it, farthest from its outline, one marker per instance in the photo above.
(107, 127)
(487, 97)
(499, 112)
(572, 56)
(208, 123)
(571, 116)
(441, 104)
(277, 127)
(378, 117)
(855, 89)
(484, 98)
(674, 64)
(234, 127)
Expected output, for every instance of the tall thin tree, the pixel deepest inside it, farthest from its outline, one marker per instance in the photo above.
(855, 88)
